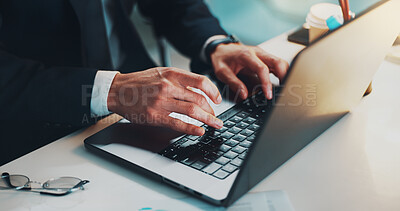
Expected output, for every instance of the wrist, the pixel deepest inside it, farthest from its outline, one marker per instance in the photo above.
(221, 49)
(112, 98)
(212, 46)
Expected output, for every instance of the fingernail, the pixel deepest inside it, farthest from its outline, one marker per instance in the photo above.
(243, 94)
(269, 94)
(219, 99)
(219, 122)
(200, 131)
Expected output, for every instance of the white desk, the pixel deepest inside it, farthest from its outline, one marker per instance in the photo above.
(354, 165)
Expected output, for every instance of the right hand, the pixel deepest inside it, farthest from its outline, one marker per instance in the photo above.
(148, 97)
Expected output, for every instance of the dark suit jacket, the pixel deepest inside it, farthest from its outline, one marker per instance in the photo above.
(45, 76)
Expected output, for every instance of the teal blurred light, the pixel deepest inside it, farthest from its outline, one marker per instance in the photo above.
(255, 21)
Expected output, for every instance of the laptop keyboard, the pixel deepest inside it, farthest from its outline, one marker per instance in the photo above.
(220, 152)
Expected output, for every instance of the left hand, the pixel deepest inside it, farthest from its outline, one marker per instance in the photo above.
(228, 60)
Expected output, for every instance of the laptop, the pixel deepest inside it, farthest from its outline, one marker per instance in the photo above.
(324, 81)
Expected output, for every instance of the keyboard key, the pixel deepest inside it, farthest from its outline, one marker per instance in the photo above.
(194, 153)
(205, 139)
(220, 153)
(224, 148)
(259, 121)
(246, 102)
(192, 137)
(183, 153)
(254, 127)
(229, 168)
(242, 114)
(231, 142)
(236, 119)
(243, 155)
(198, 165)
(215, 134)
(230, 155)
(237, 162)
(188, 161)
(206, 149)
(213, 167)
(242, 125)
(222, 160)
(179, 142)
(249, 120)
(223, 129)
(216, 142)
(220, 140)
(260, 101)
(239, 149)
(235, 130)
(221, 174)
(250, 110)
(239, 138)
(171, 153)
(165, 151)
(229, 124)
(256, 115)
(208, 128)
(227, 135)
(246, 144)
(246, 132)
(187, 143)
(211, 156)
(251, 138)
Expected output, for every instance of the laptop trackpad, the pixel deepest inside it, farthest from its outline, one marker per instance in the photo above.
(135, 143)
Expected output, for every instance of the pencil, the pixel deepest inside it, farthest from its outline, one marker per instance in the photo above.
(347, 5)
(343, 6)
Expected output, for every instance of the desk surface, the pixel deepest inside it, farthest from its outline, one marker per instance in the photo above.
(354, 165)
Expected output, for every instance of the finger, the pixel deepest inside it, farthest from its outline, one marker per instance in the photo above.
(186, 78)
(225, 74)
(194, 111)
(181, 126)
(190, 96)
(277, 65)
(262, 71)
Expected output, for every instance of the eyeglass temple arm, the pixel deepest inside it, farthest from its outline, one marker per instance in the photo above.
(79, 185)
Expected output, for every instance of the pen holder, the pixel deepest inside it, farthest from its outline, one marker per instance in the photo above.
(323, 17)
(315, 32)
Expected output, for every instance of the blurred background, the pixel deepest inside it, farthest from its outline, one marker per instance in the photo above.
(253, 21)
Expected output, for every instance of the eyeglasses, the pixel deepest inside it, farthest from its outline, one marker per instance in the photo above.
(56, 187)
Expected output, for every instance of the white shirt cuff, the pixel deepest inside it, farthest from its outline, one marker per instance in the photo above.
(101, 87)
(203, 55)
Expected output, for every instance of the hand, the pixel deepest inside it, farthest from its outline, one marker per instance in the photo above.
(148, 97)
(230, 59)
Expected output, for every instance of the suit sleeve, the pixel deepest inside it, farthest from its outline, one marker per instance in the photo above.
(32, 91)
(187, 24)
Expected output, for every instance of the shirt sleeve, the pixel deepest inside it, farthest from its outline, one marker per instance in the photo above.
(101, 87)
(203, 55)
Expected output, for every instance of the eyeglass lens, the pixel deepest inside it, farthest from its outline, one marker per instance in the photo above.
(13, 181)
(62, 183)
